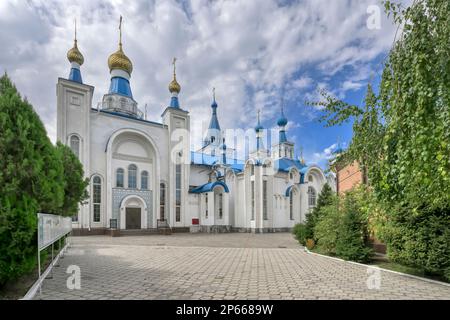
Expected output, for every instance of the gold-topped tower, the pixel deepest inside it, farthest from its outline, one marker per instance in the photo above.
(174, 86)
(74, 55)
(118, 60)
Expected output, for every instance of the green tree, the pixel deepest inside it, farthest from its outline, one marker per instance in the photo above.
(327, 226)
(31, 180)
(402, 137)
(352, 240)
(75, 186)
(325, 198)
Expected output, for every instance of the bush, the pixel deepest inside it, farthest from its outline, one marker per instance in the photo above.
(352, 240)
(326, 229)
(300, 233)
(325, 198)
(33, 175)
(420, 239)
(75, 186)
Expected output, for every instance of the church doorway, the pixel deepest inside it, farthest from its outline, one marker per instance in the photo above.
(133, 218)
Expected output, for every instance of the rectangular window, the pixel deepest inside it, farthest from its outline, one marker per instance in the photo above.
(162, 200)
(253, 199)
(178, 192)
(96, 212)
(265, 200)
(220, 206)
(206, 205)
(291, 206)
(119, 178)
(75, 218)
(96, 198)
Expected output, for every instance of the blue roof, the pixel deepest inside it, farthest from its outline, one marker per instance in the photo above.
(120, 86)
(210, 187)
(174, 102)
(282, 136)
(214, 123)
(209, 160)
(284, 164)
(75, 75)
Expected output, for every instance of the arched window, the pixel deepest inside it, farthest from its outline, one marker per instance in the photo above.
(75, 145)
(144, 180)
(291, 205)
(132, 176)
(119, 178)
(162, 200)
(96, 198)
(311, 197)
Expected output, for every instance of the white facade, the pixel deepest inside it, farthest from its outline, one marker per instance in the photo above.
(134, 181)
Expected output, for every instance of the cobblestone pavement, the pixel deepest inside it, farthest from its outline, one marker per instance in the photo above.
(222, 266)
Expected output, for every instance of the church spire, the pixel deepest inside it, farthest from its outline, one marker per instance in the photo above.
(214, 133)
(258, 129)
(76, 59)
(174, 87)
(282, 122)
(214, 123)
(120, 67)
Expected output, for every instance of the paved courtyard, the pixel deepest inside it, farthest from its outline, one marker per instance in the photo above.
(219, 266)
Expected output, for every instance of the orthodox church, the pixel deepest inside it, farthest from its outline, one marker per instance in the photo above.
(143, 174)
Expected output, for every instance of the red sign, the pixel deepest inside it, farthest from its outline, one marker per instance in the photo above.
(195, 221)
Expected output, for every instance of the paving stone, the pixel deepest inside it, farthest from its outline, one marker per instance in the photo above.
(221, 267)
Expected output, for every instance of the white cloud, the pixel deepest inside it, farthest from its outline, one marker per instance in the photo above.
(248, 50)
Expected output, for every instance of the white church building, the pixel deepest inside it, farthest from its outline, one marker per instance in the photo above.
(143, 174)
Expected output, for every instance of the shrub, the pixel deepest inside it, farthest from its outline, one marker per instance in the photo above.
(33, 177)
(326, 228)
(325, 198)
(300, 233)
(420, 239)
(352, 240)
(75, 187)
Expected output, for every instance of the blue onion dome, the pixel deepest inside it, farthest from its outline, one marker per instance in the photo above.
(214, 104)
(282, 121)
(223, 146)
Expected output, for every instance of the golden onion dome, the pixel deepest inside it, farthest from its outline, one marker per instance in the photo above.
(118, 60)
(174, 86)
(74, 55)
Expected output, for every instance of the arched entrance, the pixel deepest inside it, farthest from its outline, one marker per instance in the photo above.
(133, 213)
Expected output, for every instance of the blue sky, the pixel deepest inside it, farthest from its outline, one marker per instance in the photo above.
(256, 54)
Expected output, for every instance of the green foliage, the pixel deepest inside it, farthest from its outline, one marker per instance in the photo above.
(402, 136)
(75, 190)
(326, 229)
(352, 240)
(34, 177)
(300, 233)
(325, 198)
